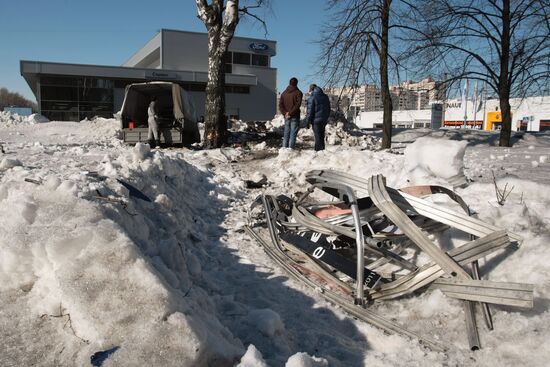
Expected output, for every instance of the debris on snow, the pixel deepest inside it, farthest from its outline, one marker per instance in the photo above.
(318, 242)
(8, 163)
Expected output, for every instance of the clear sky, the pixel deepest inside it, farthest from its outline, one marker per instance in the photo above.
(108, 32)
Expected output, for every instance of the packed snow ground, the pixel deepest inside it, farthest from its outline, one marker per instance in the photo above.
(91, 272)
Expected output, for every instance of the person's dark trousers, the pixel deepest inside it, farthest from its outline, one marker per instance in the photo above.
(319, 133)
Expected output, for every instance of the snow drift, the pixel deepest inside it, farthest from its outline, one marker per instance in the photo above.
(135, 257)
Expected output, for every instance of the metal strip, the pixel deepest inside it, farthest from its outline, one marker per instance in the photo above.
(356, 311)
(471, 325)
(382, 200)
(407, 202)
(512, 294)
(429, 272)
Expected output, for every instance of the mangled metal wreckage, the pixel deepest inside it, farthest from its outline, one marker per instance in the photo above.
(356, 249)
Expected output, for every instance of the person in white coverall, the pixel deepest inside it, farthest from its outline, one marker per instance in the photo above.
(152, 121)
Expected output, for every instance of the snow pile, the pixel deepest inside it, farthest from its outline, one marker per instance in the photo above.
(252, 358)
(432, 159)
(37, 118)
(337, 132)
(337, 135)
(103, 128)
(278, 122)
(10, 118)
(267, 321)
(7, 163)
(340, 134)
(305, 360)
(13, 119)
(116, 260)
(136, 257)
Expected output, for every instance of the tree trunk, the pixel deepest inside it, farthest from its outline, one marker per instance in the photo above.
(386, 96)
(215, 123)
(506, 129)
(504, 84)
(220, 22)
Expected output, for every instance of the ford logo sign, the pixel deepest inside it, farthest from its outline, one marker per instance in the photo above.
(257, 46)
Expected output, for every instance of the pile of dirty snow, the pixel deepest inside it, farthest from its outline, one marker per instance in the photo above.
(110, 259)
(337, 132)
(12, 119)
(128, 256)
(436, 160)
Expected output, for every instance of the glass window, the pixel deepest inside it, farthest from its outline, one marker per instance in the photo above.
(61, 116)
(260, 60)
(228, 68)
(59, 106)
(241, 58)
(73, 99)
(96, 95)
(58, 80)
(55, 93)
(96, 107)
(228, 57)
(89, 82)
(240, 89)
(124, 82)
(197, 87)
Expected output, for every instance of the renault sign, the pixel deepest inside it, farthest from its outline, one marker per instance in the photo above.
(258, 46)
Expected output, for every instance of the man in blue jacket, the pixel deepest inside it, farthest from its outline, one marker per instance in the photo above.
(318, 111)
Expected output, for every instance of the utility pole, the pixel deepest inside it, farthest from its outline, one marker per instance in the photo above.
(465, 103)
(444, 107)
(475, 106)
(483, 124)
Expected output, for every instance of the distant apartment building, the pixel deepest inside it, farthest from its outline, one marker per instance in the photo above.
(408, 95)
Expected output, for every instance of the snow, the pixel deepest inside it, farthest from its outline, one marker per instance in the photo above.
(252, 358)
(305, 360)
(421, 165)
(139, 256)
(10, 119)
(267, 321)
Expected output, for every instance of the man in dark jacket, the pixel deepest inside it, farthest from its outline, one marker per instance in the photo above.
(318, 111)
(289, 106)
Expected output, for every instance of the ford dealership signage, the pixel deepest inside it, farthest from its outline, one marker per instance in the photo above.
(258, 46)
(160, 75)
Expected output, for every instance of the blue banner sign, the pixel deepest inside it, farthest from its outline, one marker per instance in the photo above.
(257, 46)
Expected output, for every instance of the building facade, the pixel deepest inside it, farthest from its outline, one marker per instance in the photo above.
(73, 92)
(528, 114)
(406, 96)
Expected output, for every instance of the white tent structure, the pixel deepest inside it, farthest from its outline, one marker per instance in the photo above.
(176, 110)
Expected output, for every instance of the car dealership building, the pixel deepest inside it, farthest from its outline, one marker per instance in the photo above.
(72, 92)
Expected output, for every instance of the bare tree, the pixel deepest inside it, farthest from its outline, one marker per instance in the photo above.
(357, 47)
(503, 43)
(221, 19)
(8, 99)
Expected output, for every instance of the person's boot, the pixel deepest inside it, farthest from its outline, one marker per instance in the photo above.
(151, 143)
(157, 145)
